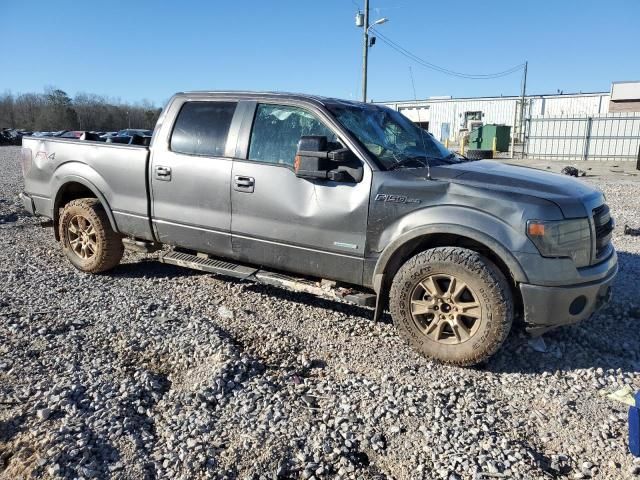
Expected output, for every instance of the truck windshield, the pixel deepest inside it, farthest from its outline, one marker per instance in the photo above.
(391, 137)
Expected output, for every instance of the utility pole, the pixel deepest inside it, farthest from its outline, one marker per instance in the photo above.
(365, 50)
(524, 92)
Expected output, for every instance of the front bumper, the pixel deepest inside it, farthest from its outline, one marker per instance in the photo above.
(549, 307)
(27, 203)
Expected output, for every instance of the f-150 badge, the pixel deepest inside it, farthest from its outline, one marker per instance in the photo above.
(386, 197)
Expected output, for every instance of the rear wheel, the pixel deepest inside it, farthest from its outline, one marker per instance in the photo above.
(452, 304)
(87, 238)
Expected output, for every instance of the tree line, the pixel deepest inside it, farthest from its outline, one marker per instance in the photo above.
(54, 110)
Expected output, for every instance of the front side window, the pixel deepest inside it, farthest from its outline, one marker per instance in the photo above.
(202, 128)
(277, 130)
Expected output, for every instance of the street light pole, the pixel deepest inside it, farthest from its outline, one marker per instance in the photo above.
(363, 21)
(365, 51)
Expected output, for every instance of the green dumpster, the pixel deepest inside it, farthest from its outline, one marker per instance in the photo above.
(482, 137)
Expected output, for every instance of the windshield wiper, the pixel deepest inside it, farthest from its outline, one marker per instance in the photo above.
(453, 158)
(424, 160)
(404, 161)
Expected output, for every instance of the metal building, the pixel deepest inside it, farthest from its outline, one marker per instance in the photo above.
(446, 117)
(577, 126)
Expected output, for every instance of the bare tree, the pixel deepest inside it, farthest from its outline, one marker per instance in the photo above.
(7, 110)
(29, 107)
(55, 110)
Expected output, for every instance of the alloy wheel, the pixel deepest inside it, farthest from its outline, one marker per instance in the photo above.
(445, 309)
(82, 237)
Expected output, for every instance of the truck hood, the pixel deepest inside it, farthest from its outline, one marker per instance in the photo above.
(574, 197)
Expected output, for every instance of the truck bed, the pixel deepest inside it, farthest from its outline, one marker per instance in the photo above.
(116, 173)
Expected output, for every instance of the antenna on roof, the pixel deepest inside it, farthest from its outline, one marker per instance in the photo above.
(424, 147)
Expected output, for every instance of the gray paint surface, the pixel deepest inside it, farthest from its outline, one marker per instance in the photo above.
(320, 228)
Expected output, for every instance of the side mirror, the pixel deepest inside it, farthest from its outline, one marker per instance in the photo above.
(313, 160)
(312, 157)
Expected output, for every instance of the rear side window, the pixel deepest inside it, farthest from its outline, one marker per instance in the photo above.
(202, 128)
(277, 130)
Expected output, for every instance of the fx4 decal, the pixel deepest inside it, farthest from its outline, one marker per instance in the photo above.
(386, 197)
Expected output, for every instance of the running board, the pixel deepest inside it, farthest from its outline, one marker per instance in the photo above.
(207, 264)
(223, 267)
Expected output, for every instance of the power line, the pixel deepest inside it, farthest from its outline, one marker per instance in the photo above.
(444, 70)
(433, 66)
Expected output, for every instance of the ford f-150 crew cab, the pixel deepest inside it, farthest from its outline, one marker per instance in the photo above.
(340, 197)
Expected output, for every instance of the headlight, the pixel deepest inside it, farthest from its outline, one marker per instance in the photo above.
(562, 238)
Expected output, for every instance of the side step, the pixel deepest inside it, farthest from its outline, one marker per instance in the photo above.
(223, 267)
(207, 264)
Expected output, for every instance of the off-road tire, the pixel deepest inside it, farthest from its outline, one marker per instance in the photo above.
(479, 154)
(482, 276)
(107, 243)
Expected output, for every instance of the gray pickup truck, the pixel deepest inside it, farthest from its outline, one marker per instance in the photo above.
(337, 198)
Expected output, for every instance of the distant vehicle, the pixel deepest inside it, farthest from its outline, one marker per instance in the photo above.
(108, 134)
(71, 134)
(10, 136)
(129, 132)
(121, 139)
(351, 193)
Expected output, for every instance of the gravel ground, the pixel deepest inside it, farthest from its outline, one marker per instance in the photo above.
(156, 371)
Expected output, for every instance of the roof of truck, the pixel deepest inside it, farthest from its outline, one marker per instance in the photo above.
(271, 95)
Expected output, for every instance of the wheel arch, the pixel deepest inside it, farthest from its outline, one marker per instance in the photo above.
(423, 238)
(73, 188)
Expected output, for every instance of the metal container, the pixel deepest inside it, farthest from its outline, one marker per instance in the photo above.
(482, 138)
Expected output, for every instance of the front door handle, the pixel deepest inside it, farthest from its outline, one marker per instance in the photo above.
(163, 173)
(244, 184)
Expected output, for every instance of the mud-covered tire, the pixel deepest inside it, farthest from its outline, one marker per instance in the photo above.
(84, 223)
(481, 279)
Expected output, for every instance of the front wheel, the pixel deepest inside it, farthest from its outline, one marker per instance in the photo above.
(452, 305)
(87, 238)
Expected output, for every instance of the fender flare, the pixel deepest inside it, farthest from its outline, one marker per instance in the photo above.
(82, 181)
(450, 229)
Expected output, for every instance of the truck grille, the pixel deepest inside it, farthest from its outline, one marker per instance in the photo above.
(603, 224)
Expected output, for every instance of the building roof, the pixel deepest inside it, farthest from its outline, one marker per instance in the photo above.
(501, 97)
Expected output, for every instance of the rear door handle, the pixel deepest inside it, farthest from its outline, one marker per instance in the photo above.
(163, 173)
(244, 184)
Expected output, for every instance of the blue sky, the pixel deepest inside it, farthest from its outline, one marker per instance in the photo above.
(136, 50)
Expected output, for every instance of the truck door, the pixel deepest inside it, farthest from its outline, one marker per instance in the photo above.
(191, 178)
(313, 227)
